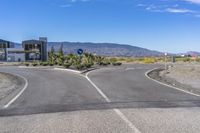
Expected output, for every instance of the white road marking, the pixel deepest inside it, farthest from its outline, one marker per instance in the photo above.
(99, 90)
(129, 69)
(176, 88)
(69, 70)
(117, 111)
(19, 94)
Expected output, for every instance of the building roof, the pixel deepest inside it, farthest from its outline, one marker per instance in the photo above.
(32, 42)
(3, 41)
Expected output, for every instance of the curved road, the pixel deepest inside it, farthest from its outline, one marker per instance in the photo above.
(126, 87)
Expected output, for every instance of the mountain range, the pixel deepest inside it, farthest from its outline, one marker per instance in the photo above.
(107, 49)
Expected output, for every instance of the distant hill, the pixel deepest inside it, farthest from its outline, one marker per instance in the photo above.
(193, 53)
(105, 49)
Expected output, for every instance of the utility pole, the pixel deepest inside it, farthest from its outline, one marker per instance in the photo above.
(165, 61)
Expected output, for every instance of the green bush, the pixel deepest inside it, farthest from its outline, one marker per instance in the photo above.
(104, 63)
(150, 60)
(41, 63)
(45, 64)
(198, 60)
(117, 64)
(26, 64)
(60, 64)
(88, 65)
(67, 65)
(51, 64)
(79, 66)
(34, 64)
(186, 60)
(128, 60)
(113, 60)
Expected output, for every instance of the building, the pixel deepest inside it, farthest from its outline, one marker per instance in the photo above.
(15, 55)
(35, 50)
(4, 45)
(30, 50)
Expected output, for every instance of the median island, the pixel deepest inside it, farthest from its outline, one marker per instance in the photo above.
(8, 84)
(185, 76)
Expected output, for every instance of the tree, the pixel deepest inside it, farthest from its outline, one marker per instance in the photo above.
(88, 60)
(52, 56)
(60, 58)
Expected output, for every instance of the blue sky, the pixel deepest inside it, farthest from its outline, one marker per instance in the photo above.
(164, 25)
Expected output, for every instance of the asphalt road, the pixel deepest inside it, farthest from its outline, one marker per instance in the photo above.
(59, 101)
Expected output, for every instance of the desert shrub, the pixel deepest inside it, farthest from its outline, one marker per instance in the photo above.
(198, 60)
(121, 59)
(60, 64)
(149, 60)
(67, 65)
(117, 64)
(79, 66)
(26, 64)
(130, 60)
(113, 60)
(51, 64)
(105, 63)
(186, 59)
(45, 64)
(140, 59)
(88, 65)
(34, 64)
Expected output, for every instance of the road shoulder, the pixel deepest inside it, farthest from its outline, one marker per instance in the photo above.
(10, 86)
(158, 75)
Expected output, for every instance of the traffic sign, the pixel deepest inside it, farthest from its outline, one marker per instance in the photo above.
(80, 51)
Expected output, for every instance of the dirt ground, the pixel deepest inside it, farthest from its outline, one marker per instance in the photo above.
(183, 75)
(188, 74)
(8, 83)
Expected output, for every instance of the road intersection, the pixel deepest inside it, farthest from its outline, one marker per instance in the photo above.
(118, 91)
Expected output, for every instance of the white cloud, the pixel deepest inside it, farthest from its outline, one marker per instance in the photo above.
(194, 1)
(198, 15)
(178, 10)
(73, 1)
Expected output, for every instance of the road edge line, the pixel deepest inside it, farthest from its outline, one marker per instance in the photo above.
(173, 87)
(117, 111)
(19, 94)
(69, 70)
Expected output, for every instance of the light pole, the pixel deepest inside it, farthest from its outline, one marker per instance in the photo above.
(165, 61)
(35, 54)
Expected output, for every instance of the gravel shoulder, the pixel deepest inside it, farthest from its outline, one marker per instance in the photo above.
(184, 76)
(9, 84)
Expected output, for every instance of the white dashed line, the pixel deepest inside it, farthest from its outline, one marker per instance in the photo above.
(117, 111)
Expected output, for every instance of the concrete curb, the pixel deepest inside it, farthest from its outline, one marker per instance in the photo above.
(31, 67)
(69, 70)
(173, 87)
(16, 96)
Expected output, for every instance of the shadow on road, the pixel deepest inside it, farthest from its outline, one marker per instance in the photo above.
(98, 106)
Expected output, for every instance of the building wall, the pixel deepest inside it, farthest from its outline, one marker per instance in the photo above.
(3, 52)
(15, 55)
(30, 48)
